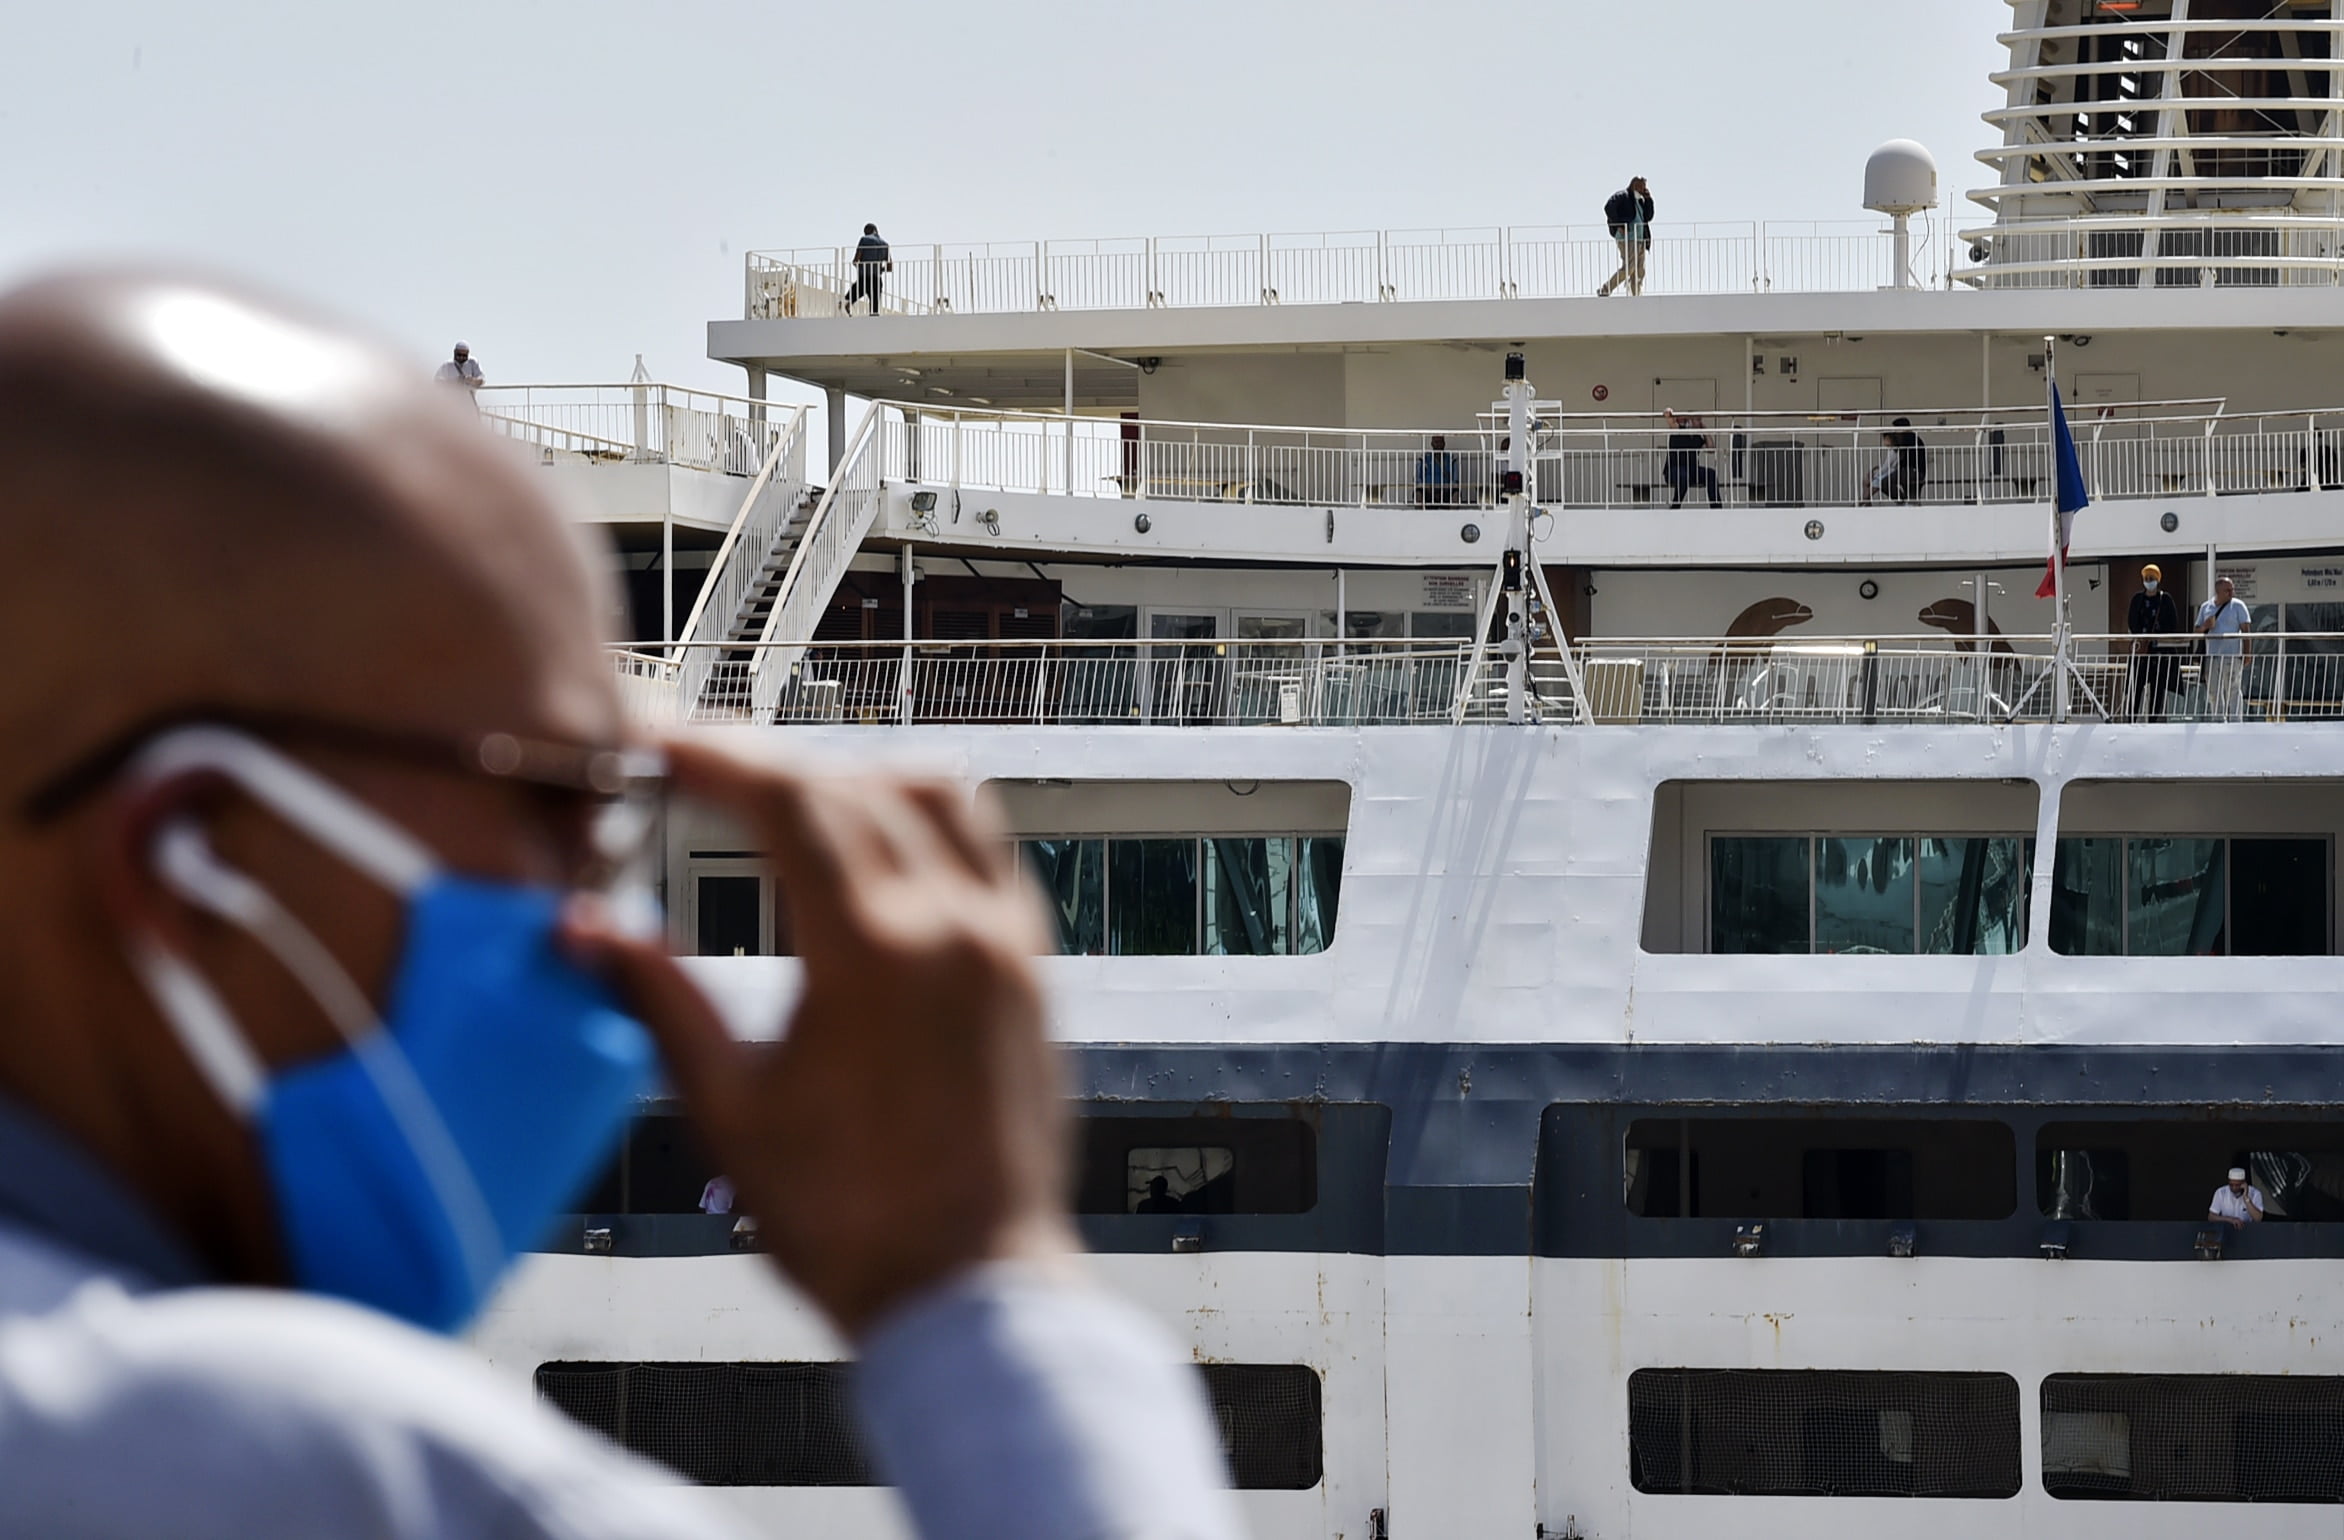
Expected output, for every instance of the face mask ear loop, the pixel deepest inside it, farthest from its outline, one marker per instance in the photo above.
(186, 861)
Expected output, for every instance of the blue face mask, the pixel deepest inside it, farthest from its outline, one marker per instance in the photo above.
(410, 1167)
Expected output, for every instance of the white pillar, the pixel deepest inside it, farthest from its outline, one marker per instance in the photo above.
(834, 412)
(1070, 422)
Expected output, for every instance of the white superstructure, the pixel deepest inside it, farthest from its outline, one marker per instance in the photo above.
(1745, 1050)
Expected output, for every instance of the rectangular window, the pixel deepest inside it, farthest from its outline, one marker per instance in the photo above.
(2169, 1169)
(2169, 895)
(1197, 1165)
(721, 1425)
(1869, 893)
(1073, 878)
(1823, 1433)
(730, 918)
(1820, 1168)
(1272, 1424)
(2210, 1438)
(1151, 898)
(1758, 894)
(791, 1425)
(1244, 896)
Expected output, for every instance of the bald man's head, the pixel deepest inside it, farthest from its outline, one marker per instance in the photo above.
(217, 506)
(211, 499)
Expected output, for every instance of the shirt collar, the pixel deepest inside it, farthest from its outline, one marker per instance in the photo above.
(51, 1188)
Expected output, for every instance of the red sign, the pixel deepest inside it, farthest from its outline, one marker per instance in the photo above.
(1603, 392)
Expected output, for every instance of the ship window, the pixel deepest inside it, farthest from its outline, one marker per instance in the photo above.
(2167, 1169)
(659, 1168)
(1868, 893)
(790, 1424)
(1205, 1165)
(2217, 1438)
(1820, 1168)
(1244, 896)
(722, 1425)
(2171, 895)
(1823, 1433)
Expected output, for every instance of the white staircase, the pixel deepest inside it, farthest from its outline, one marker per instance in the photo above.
(820, 551)
(744, 581)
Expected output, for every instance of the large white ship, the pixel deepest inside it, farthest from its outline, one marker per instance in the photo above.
(1733, 1033)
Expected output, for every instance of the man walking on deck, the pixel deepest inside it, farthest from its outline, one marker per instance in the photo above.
(871, 261)
(1628, 213)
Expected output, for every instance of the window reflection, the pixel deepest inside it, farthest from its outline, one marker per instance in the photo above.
(1887, 893)
(1864, 893)
(1249, 896)
(2190, 896)
(1151, 898)
(1973, 894)
(2177, 895)
(1758, 894)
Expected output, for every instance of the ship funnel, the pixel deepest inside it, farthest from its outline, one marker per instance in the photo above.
(1900, 180)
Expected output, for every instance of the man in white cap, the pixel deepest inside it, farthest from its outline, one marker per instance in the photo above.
(2235, 1203)
(462, 369)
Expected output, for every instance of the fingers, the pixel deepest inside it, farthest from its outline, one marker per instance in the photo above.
(701, 1056)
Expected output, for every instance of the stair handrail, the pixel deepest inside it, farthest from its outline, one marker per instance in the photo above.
(747, 543)
(791, 620)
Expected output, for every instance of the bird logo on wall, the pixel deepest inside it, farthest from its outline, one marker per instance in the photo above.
(1768, 617)
(1958, 618)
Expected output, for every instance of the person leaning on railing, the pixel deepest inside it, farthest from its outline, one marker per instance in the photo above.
(1684, 468)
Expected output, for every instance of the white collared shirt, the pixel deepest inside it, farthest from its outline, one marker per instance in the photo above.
(2231, 1205)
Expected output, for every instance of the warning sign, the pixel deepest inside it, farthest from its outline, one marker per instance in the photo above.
(1448, 591)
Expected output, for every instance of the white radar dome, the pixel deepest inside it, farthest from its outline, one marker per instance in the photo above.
(1900, 178)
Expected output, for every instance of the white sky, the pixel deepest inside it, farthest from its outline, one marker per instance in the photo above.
(566, 183)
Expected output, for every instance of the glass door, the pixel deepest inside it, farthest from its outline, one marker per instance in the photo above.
(1272, 683)
(1185, 684)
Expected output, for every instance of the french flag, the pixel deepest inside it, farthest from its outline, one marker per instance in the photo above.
(2068, 492)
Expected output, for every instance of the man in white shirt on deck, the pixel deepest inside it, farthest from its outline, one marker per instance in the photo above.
(2224, 622)
(461, 369)
(2235, 1203)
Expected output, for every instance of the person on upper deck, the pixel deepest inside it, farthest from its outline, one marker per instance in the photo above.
(2225, 622)
(872, 264)
(321, 995)
(1904, 469)
(2235, 1203)
(1684, 466)
(461, 369)
(1628, 215)
(1436, 474)
(2154, 617)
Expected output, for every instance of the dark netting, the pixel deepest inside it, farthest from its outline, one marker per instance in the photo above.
(2210, 1438)
(723, 1425)
(1823, 1433)
(1270, 1424)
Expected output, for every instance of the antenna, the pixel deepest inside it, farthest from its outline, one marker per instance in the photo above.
(1518, 573)
(1900, 180)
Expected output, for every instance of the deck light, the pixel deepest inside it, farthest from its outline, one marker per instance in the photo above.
(2209, 1244)
(1513, 366)
(1140, 523)
(923, 502)
(1902, 1239)
(1188, 1236)
(2055, 1238)
(1749, 1239)
(598, 1240)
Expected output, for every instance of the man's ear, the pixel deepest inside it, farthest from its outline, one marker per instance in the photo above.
(125, 827)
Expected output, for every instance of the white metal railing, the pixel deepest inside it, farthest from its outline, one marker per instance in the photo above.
(2158, 450)
(647, 686)
(833, 534)
(666, 424)
(1513, 262)
(2190, 250)
(1936, 679)
(739, 567)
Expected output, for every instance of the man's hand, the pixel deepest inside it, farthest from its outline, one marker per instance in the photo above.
(910, 1123)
